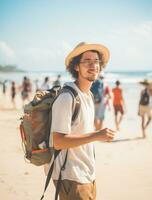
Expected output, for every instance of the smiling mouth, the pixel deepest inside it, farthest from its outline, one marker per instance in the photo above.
(93, 72)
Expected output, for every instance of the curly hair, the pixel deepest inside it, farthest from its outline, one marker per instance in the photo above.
(76, 60)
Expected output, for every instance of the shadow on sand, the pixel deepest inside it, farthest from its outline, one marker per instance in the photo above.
(129, 139)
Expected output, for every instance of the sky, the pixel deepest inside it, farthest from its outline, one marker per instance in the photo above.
(37, 35)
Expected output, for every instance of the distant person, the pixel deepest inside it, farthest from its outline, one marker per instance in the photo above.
(45, 85)
(57, 82)
(145, 106)
(107, 95)
(118, 104)
(4, 86)
(101, 93)
(13, 93)
(26, 88)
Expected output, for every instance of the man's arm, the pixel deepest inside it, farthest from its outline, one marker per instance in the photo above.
(65, 141)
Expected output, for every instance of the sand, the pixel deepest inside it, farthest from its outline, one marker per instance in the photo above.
(123, 167)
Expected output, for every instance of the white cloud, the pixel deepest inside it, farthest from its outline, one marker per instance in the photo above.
(131, 47)
(35, 57)
(7, 54)
(44, 58)
(144, 30)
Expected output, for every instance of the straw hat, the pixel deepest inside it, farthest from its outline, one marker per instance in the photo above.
(147, 83)
(144, 82)
(83, 47)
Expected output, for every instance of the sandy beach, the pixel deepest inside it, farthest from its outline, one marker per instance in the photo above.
(123, 167)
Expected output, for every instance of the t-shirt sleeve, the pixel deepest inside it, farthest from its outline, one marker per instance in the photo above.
(62, 114)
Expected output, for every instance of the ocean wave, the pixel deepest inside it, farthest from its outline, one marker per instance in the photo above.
(111, 77)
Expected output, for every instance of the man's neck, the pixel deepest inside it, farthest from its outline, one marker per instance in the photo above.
(84, 86)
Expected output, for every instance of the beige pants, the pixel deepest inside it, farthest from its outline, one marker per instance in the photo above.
(71, 190)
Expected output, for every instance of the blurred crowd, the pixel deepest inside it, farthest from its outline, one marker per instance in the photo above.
(105, 98)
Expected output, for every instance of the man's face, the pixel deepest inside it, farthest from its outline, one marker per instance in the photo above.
(89, 66)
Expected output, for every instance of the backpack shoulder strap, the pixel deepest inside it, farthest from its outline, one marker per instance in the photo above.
(76, 102)
(56, 153)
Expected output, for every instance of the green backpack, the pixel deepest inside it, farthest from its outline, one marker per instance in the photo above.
(35, 129)
(36, 124)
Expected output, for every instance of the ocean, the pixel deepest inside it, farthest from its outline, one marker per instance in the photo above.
(127, 78)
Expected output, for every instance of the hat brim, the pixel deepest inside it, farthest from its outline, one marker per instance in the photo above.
(147, 83)
(143, 83)
(87, 47)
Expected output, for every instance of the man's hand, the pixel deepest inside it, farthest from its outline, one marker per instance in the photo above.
(105, 135)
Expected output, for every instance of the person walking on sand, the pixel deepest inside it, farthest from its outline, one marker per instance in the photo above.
(145, 106)
(26, 88)
(101, 93)
(45, 85)
(4, 86)
(13, 93)
(57, 82)
(75, 140)
(118, 104)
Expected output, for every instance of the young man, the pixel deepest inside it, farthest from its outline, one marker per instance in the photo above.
(118, 104)
(78, 178)
(145, 106)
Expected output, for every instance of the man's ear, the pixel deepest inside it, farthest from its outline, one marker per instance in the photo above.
(76, 68)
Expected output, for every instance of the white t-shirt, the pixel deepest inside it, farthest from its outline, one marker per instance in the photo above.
(80, 165)
(45, 86)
